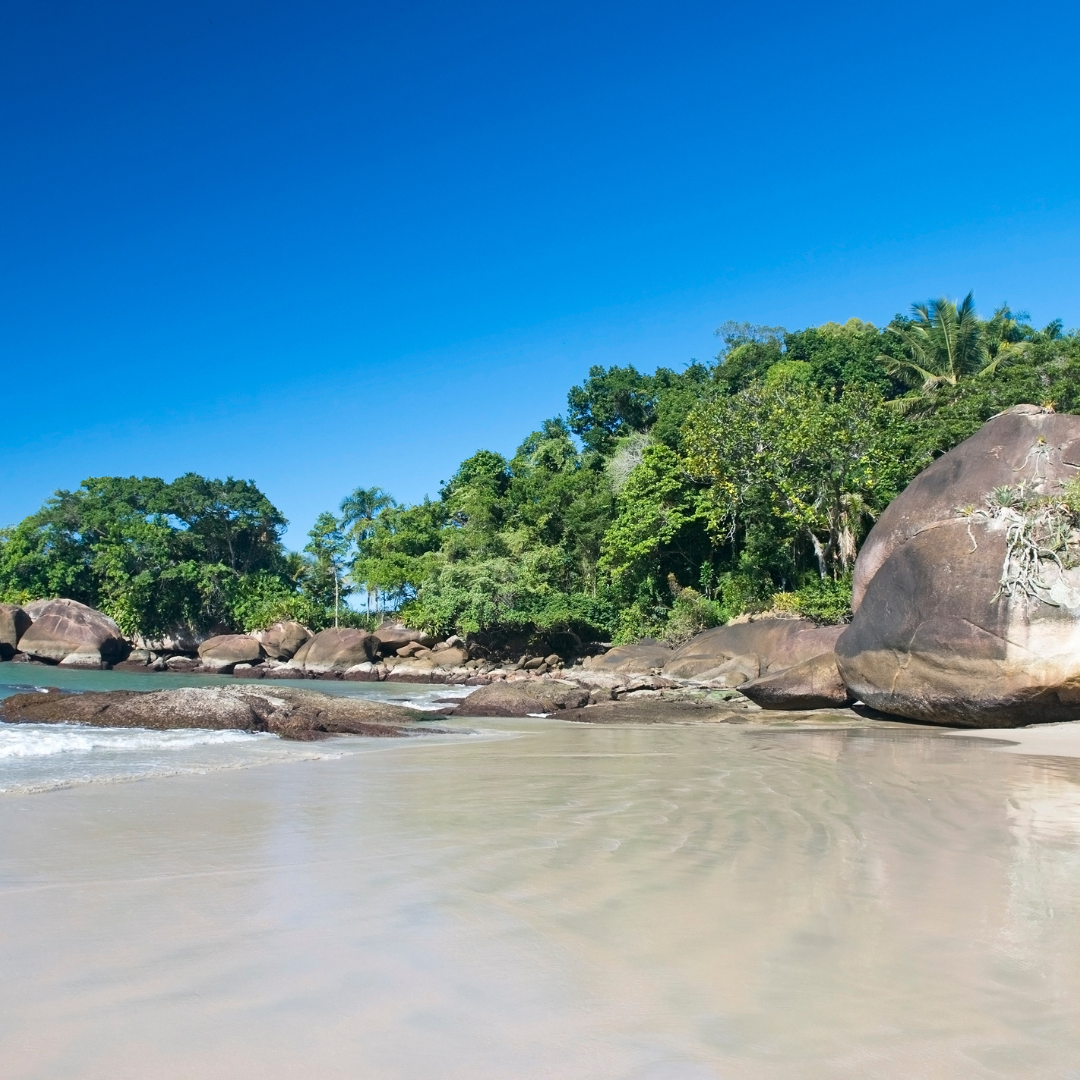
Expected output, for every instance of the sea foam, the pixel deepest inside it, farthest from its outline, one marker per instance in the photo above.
(38, 740)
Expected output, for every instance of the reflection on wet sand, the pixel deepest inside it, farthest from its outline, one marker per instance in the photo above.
(681, 902)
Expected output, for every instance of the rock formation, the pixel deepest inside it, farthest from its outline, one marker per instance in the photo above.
(283, 640)
(522, 698)
(36, 607)
(336, 649)
(393, 637)
(224, 652)
(728, 653)
(14, 622)
(811, 684)
(968, 605)
(70, 633)
(643, 658)
(286, 711)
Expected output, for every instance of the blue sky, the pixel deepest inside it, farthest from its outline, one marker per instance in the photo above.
(324, 245)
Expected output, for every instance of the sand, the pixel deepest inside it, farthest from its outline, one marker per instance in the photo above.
(654, 903)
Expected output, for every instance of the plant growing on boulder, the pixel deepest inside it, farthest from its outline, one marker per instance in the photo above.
(1041, 531)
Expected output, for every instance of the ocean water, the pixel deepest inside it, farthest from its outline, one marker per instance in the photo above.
(38, 757)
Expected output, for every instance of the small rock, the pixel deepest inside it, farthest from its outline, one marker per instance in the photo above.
(182, 664)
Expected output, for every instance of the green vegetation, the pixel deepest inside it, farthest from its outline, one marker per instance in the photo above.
(661, 504)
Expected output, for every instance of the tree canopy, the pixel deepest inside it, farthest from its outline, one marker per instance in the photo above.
(661, 503)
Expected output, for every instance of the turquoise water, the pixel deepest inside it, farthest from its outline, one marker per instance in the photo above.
(39, 757)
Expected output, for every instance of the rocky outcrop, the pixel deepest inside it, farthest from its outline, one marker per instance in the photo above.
(67, 632)
(222, 653)
(283, 640)
(393, 637)
(812, 684)
(337, 649)
(523, 697)
(645, 657)
(936, 636)
(417, 662)
(776, 643)
(286, 711)
(14, 622)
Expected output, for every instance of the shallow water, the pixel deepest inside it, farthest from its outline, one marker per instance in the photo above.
(37, 757)
(661, 903)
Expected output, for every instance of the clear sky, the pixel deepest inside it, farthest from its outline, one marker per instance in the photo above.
(322, 245)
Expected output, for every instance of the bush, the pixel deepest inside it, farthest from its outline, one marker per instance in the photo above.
(690, 614)
(825, 600)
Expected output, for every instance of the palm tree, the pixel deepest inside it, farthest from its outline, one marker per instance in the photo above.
(941, 346)
(1007, 336)
(358, 513)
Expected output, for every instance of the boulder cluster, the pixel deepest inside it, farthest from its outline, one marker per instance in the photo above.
(966, 600)
(60, 632)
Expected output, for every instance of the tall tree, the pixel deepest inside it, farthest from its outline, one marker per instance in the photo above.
(943, 345)
(330, 547)
(359, 511)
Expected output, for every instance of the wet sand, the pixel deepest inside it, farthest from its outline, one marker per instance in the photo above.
(656, 903)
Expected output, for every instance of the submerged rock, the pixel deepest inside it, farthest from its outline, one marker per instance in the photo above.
(65, 631)
(289, 712)
(936, 636)
(14, 622)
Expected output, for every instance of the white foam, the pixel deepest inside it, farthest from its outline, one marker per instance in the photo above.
(37, 741)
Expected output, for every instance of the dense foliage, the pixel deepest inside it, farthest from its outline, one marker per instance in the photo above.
(161, 557)
(662, 503)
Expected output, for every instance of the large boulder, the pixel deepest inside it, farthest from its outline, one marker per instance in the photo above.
(1026, 443)
(936, 636)
(392, 637)
(641, 659)
(14, 622)
(36, 607)
(224, 652)
(812, 684)
(337, 649)
(523, 697)
(283, 640)
(65, 631)
(289, 712)
(778, 644)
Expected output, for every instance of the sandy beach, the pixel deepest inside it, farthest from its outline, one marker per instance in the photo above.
(556, 900)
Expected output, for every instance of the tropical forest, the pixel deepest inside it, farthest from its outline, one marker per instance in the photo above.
(659, 504)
